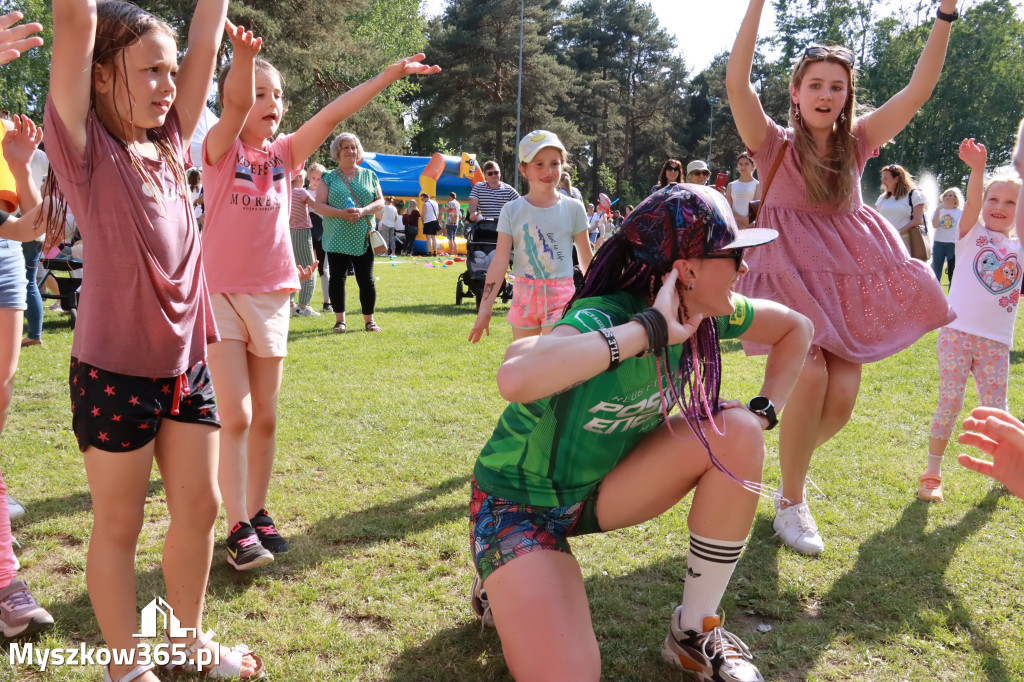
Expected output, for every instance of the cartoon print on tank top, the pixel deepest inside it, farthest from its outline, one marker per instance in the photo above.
(999, 271)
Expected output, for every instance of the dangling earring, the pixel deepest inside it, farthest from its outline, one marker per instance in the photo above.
(842, 116)
(798, 113)
(688, 287)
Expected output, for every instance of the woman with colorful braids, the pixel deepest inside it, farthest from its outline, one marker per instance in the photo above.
(587, 445)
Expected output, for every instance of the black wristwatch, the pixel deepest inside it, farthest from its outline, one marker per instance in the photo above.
(947, 17)
(764, 407)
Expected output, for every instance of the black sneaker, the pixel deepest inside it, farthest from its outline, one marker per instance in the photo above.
(267, 533)
(244, 548)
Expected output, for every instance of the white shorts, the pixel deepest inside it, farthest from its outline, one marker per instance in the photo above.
(259, 320)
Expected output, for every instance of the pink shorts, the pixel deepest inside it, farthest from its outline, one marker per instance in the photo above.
(259, 320)
(539, 302)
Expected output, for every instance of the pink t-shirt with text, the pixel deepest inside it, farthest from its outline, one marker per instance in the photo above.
(144, 308)
(246, 243)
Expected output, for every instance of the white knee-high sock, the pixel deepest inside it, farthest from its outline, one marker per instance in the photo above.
(709, 566)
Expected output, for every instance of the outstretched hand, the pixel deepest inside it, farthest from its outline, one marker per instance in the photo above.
(667, 303)
(410, 66)
(16, 40)
(243, 42)
(480, 327)
(1001, 436)
(21, 142)
(973, 154)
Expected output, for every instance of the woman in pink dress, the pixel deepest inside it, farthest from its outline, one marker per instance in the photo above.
(836, 260)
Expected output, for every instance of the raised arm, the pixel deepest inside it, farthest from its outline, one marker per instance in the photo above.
(196, 70)
(1018, 162)
(314, 131)
(19, 145)
(74, 34)
(239, 93)
(888, 120)
(976, 156)
(15, 40)
(751, 121)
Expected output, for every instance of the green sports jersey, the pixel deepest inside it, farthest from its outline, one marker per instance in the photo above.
(553, 451)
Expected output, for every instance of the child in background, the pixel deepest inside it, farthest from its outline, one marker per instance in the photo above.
(741, 192)
(300, 228)
(316, 172)
(119, 124)
(543, 225)
(247, 176)
(451, 223)
(946, 223)
(978, 341)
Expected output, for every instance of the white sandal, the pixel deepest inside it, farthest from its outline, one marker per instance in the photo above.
(229, 667)
(129, 676)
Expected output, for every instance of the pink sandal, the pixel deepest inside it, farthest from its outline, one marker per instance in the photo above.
(930, 489)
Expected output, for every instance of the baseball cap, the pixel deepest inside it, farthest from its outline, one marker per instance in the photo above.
(535, 141)
(698, 220)
(696, 166)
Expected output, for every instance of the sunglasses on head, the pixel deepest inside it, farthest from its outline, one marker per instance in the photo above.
(815, 51)
(735, 254)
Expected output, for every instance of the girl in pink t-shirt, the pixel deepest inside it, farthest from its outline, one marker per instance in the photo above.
(247, 184)
(116, 131)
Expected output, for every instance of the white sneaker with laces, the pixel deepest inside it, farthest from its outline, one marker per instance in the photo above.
(305, 312)
(479, 603)
(797, 528)
(16, 509)
(714, 655)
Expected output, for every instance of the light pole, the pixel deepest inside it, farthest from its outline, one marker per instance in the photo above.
(519, 94)
(713, 101)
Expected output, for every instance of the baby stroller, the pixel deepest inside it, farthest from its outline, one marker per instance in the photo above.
(481, 240)
(65, 271)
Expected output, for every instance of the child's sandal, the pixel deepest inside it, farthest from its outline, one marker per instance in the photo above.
(128, 676)
(930, 489)
(228, 668)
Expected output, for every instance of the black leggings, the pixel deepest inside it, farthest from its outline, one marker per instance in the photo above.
(339, 262)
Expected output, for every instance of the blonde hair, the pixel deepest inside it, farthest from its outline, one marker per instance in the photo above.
(318, 168)
(957, 194)
(904, 181)
(1008, 178)
(829, 180)
(336, 146)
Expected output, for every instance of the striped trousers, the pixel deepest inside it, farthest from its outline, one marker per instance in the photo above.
(302, 247)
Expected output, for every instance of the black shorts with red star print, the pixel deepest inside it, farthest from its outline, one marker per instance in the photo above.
(120, 413)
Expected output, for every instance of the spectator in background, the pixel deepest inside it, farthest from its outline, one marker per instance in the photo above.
(697, 172)
(671, 171)
(390, 223)
(316, 173)
(451, 223)
(487, 198)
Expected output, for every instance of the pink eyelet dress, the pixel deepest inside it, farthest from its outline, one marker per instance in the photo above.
(847, 270)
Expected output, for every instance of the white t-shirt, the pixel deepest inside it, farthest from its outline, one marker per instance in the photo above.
(742, 195)
(389, 218)
(949, 225)
(430, 211)
(594, 221)
(985, 299)
(542, 237)
(899, 211)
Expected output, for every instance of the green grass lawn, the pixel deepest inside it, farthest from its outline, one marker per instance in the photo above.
(377, 435)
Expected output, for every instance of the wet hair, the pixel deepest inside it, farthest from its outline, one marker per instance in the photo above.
(260, 65)
(904, 181)
(663, 175)
(119, 25)
(829, 181)
(955, 191)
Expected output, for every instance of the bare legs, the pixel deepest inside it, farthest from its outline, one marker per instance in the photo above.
(820, 406)
(538, 600)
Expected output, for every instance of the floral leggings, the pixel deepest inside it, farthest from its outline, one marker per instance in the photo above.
(962, 354)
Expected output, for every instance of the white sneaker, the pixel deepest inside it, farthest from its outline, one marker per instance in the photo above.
(16, 509)
(479, 603)
(306, 312)
(797, 528)
(714, 655)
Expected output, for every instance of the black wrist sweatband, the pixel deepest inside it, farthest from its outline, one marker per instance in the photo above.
(656, 326)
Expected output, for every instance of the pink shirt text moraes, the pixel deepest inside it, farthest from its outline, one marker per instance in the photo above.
(144, 308)
(246, 244)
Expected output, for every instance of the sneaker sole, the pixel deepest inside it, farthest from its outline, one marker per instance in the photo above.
(255, 563)
(33, 626)
(682, 662)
